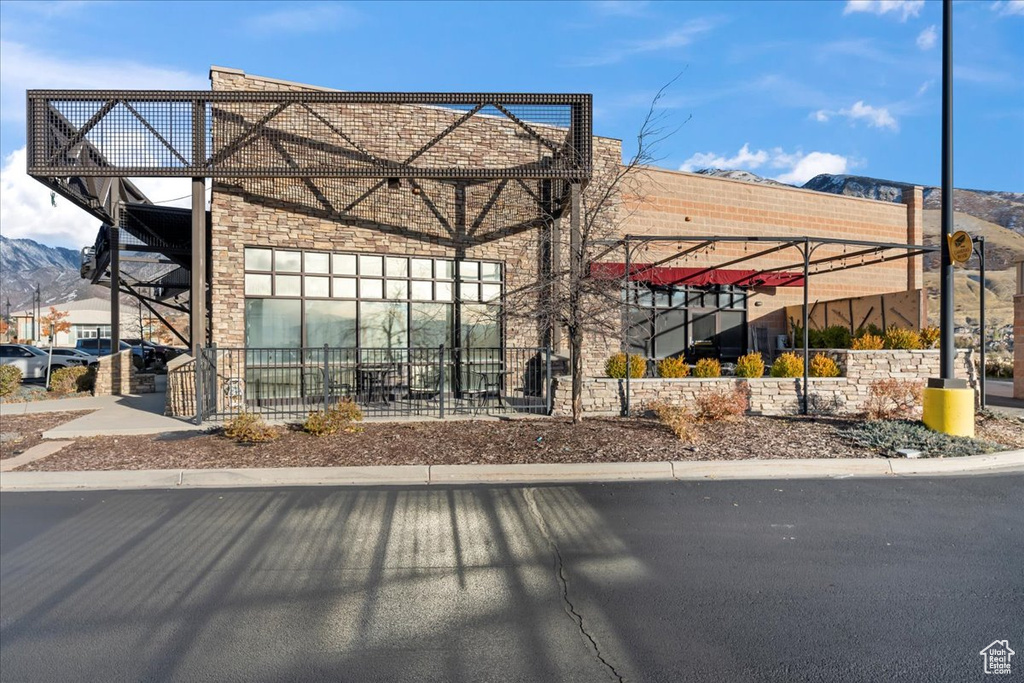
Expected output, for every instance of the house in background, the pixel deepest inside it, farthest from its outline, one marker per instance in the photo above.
(89, 319)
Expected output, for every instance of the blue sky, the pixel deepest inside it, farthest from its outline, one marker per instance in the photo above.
(785, 90)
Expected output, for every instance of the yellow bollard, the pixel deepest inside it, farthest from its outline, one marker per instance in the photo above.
(950, 411)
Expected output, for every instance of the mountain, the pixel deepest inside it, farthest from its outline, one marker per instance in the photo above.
(745, 176)
(24, 263)
(1005, 209)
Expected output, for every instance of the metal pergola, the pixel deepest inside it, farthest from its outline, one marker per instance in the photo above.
(866, 253)
(357, 157)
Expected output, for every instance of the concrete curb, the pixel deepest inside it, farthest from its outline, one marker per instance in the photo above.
(423, 475)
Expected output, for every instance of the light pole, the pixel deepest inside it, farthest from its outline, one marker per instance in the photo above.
(948, 402)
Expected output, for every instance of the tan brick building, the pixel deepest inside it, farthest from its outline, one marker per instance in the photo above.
(285, 273)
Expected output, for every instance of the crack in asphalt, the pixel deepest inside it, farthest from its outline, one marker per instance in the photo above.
(570, 608)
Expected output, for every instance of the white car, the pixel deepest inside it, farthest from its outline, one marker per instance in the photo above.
(67, 352)
(33, 361)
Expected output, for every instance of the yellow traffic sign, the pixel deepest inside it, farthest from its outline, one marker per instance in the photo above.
(960, 247)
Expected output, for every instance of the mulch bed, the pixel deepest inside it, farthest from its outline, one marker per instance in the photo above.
(1008, 431)
(469, 442)
(18, 433)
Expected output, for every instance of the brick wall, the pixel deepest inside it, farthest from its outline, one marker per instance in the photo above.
(677, 203)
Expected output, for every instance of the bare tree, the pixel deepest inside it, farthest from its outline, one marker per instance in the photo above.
(579, 298)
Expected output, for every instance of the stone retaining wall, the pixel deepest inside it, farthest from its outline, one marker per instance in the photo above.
(181, 387)
(117, 375)
(768, 395)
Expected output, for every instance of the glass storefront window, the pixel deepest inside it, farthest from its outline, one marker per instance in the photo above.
(258, 259)
(288, 285)
(273, 323)
(317, 262)
(288, 261)
(371, 265)
(258, 284)
(318, 286)
(383, 325)
(309, 298)
(344, 264)
(331, 322)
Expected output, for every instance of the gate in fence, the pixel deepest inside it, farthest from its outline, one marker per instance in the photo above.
(289, 383)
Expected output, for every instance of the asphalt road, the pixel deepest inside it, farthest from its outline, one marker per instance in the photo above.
(851, 580)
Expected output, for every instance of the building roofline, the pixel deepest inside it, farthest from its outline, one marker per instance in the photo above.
(783, 187)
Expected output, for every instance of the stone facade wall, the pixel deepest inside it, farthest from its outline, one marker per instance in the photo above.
(116, 375)
(768, 395)
(181, 387)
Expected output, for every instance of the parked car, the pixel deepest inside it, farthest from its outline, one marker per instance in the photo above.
(142, 349)
(162, 352)
(101, 347)
(32, 361)
(87, 358)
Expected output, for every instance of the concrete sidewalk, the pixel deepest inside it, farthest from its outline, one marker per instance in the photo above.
(838, 468)
(112, 416)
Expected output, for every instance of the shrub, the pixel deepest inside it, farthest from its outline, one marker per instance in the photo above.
(831, 337)
(788, 365)
(70, 380)
(901, 338)
(870, 329)
(249, 428)
(615, 366)
(677, 418)
(868, 342)
(892, 435)
(750, 365)
(823, 366)
(929, 338)
(707, 367)
(10, 379)
(722, 404)
(337, 418)
(891, 399)
(673, 367)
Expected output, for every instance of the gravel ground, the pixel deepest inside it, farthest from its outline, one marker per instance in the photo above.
(1008, 431)
(468, 442)
(488, 442)
(18, 433)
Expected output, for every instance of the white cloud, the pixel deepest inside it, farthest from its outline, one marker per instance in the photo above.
(23, 68)
(925, 87)
(795, 168)
(904, 8)
(743, 159)
(876, 117)
(806, 167)
(302, 18)
(1008, 8)
(927, 38)
(26, 208)
(674, 39)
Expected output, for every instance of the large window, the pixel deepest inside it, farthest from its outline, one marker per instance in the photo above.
(695, 322)
(374, 301)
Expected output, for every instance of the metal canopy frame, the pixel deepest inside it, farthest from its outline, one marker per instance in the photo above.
(339, 147)
(806, 245)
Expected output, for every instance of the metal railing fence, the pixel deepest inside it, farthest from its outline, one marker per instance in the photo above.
(289, 383)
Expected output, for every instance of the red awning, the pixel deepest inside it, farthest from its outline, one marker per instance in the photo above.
(697, 277)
